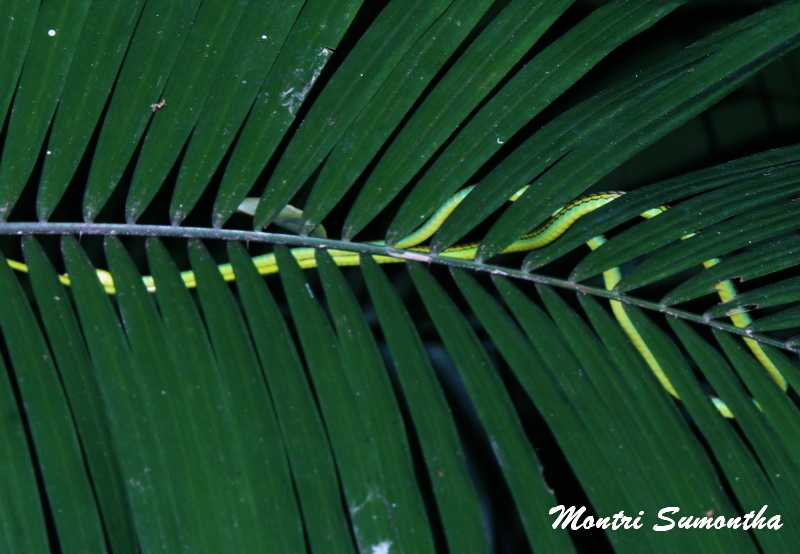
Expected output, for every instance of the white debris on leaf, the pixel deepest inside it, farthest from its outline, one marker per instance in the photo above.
(382, 547)
(291, 98)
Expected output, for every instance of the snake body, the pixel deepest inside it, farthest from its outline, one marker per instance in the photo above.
(543, 235)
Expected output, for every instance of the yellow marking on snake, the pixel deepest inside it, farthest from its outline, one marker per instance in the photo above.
(545, 234)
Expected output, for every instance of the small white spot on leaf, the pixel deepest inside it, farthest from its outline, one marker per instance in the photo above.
(382, 547)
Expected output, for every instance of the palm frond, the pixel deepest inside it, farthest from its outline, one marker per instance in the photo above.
(450, 405)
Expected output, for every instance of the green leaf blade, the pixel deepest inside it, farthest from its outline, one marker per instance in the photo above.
(313, 468)
(360, 465)
(379, 410)
(394, 32)
(761, 39)
(500, 45)
(22, 517)
(200, 55)
(260, 476)
(68, 487)
(392, 101)
(104, 40)
(733, 454)
(149, 60)
(457, 500)
(511, 449)
(128, 402)
(57, 31)
(17, 29)
(250, 54)
(543, 80)
(302, 59)
(84, 394)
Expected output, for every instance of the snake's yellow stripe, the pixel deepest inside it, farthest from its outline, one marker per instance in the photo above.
(543, 235)
(726, 290)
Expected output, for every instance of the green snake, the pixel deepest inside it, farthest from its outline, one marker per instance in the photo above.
(543, 235)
